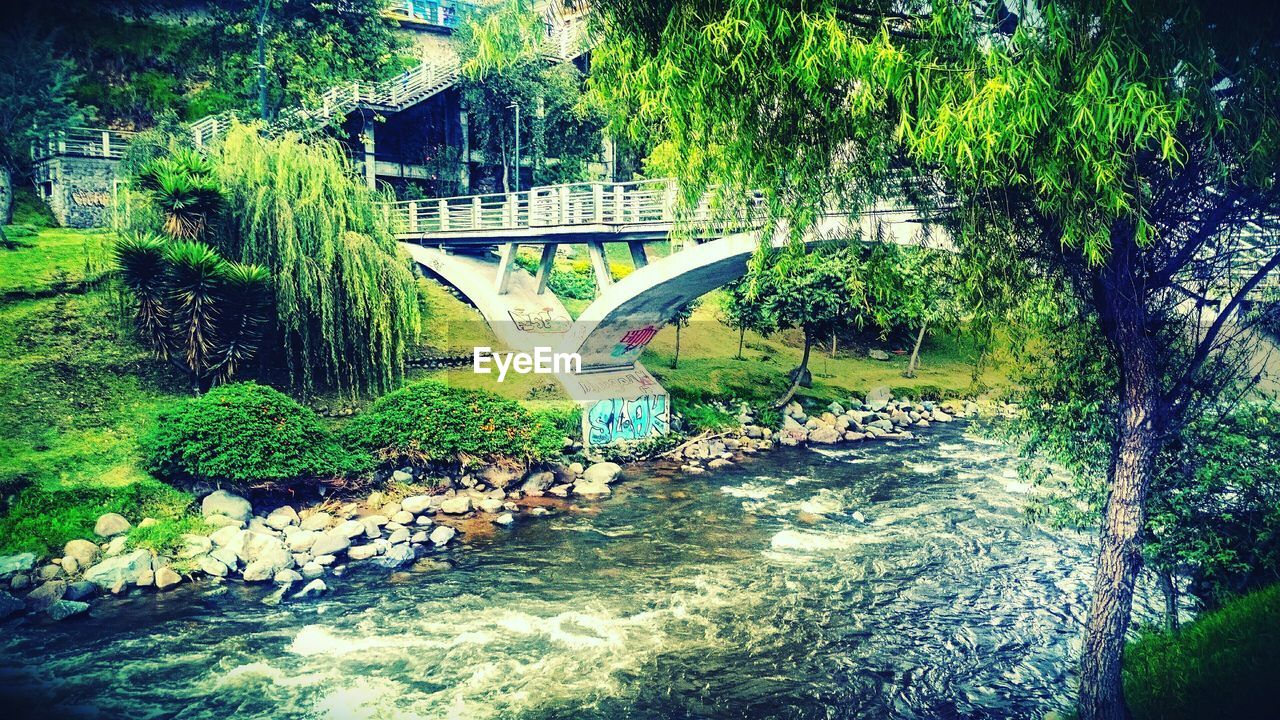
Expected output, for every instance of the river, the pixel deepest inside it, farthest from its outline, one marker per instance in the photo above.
(890, 580)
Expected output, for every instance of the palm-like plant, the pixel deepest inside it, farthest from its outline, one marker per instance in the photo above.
(184, 187)
(144, 271)
(195, 283)
(244, 298)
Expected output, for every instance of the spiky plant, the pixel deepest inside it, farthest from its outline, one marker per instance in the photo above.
(195, 280)
(144, 270)
(244, 299)
(184, 188)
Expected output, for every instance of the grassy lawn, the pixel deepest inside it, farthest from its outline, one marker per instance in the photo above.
(55, 258)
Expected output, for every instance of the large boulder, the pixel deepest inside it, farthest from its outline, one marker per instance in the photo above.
(879, 397)
(349, 529)
(221, 502)
(537, 482)
(125, 568)
(415, 503)
(11, 564)
(46, 595)
(167, 577)
(317, 521)
(282, 517)
(264, 556)
(591, 489)
(601, 473)
(499, 477)
(825, 435)
(442, 535)
(110, 525)
(397, 555)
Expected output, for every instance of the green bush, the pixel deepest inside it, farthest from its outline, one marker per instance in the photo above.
(702, 418)
(432, 422)
(43, 518)
(1226, 664)
(566, 420)
(246, 435)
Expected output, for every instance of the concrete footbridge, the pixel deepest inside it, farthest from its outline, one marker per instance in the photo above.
(455, 238)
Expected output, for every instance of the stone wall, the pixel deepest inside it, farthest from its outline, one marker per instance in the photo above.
(79, 190)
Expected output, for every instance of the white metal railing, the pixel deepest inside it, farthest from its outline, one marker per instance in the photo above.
(84, 142)
(641, 202)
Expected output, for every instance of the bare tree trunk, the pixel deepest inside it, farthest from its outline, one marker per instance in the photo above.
(1120, 550)
(675, 359)
(798, 373)
(915, 352)
(833, 344)
(742, 336)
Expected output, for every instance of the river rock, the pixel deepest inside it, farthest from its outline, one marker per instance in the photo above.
(22, 562)
(69, 565)
(219, 520)
(221, 502)
(287, 576)
(63, 609)
(442, 535)
(402, 517)
(538, 482)
(166, 578)
(315, 587)
(10, 605)
(402, 476)
(282, 517)
(312, 570)
(589, 489)
(399, 536)
(499, 477)
(20, 581)
(212, 566)
(348, 529)
(793, 410)
(939, 416)
(330, 543)
(824, 435)
(491, 505)
(316, 521)
(415, 503)
(505, 518)
(46, 595)
(82, 590)
(196, 545)
(126, 567)
(456, 505)
(110, 525)
(264, 556)
(877, 354)
(398, 555)
(718, 463)
(324, 560)
(362, 552)
(879, 397)
(601, 473)
(302, 540)
(83, 551)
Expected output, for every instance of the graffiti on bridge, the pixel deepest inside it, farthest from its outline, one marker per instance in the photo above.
(634, 340)
(539, 321)
(627, 419)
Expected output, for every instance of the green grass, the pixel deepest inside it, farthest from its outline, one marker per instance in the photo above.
(54, 259)
(1226, 664)
(75, 392)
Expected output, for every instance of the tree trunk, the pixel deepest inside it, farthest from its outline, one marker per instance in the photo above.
(742, 336)
(1138, 439)
(1169, 589)
(675, 359)
(915, 352)
(798, 375)
(6, 195)
(833, 344)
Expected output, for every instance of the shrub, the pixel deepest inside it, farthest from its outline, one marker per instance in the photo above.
(432, 422)
(1225, 664)
(702, 418)
(246, 435)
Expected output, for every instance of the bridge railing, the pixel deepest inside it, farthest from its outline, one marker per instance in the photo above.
(636, 203)
(84, 142)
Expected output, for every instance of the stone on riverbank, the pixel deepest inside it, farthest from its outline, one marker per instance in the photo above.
(63, 609)
(213, 566)
(110, 525)
(287, 577)
(221, 502)
(11, 564)
(10, 605)
(82, 590)
(601, 473)
(166, 578)
(282, 517)
(442, 535)
(312, 570)
(125, 568)
(415, 503)
(46, 595)
(315, 587)
(458, 505)
(83, 551)
(330, 543)
(362, 552)
(316, 521)
(398, 555)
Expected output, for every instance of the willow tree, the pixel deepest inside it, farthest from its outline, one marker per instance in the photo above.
(346, 301)
(1118, 149)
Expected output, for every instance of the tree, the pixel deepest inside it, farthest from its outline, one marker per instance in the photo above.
(504, 77)
(909, 288)
(183, 187)
(743, 310)
(1122, 149)
(681, 319)
(36, 84)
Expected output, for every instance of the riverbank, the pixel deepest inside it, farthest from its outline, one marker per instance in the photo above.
(420, 512)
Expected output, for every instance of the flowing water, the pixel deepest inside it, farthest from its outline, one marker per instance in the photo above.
(895, 580)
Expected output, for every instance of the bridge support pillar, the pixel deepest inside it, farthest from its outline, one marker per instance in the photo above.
(506, 260)
(600, 262)
(638, 256)
(620, 405)
(544, 266)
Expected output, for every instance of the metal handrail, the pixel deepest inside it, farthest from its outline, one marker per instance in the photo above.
(84, 142)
